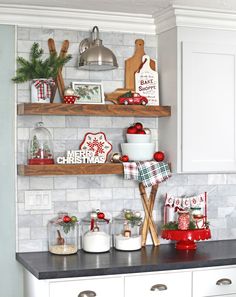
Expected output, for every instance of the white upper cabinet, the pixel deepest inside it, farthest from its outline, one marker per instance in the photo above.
(208, 107)
(197, 68)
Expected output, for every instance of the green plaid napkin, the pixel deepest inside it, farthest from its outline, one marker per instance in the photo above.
(152, 172)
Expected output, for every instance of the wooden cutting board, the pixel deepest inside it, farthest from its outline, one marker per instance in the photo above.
(132, 64)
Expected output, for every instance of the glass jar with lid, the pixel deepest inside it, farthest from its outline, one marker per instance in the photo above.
(127, 231)
(63, 235)
(40, 148)
(198, 217)
(96, 233)
(183, 219)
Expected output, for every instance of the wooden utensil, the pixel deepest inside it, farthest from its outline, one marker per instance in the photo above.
(60, 239)
(146, 222)
(59, 79)
(148, 205)
(132, 64)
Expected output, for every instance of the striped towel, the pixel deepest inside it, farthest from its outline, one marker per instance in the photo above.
(148, 172)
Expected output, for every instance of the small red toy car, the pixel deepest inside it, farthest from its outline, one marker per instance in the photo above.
(133, 98)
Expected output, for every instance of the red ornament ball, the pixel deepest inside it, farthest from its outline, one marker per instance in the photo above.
(141, 132)
(159, 156)
(138, 126)
(132, 130)
(66, 219)
(124, 158)
(100, 215)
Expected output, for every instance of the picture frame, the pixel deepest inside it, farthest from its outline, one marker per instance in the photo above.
(89, 92)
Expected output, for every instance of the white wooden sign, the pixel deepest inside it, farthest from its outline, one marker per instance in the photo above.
(146, 82)
(79, 157)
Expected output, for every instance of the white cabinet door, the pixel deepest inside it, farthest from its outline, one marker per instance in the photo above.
(168, 284)
(208, 107)
(215, 282)
(102, 287)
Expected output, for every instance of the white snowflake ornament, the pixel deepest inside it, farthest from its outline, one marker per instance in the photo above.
(97, 142)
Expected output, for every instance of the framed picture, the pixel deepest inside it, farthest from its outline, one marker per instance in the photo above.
(89, 92)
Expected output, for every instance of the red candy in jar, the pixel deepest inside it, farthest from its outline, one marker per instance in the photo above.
(183, 220)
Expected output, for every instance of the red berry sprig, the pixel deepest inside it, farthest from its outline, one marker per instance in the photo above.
(101, 216)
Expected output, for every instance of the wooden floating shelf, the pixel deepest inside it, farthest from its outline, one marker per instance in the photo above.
(114, 110)
(68, 169)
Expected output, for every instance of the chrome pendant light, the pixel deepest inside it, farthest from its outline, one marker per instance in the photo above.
(95, 56)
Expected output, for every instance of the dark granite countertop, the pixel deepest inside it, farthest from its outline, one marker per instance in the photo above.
(44, 265)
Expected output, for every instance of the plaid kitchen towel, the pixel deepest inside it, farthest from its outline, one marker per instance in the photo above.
(148, 172)
(152, 172)
(131, 171)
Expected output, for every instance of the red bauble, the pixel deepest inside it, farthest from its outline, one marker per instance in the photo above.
(138, 126)
(132, 130)
(124, 158)
(100, 215)
(66, 219)
(159, 156)
(141, 132)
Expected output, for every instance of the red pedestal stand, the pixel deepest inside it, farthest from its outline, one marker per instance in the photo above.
(185, 238)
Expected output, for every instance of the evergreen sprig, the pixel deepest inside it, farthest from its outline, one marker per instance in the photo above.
(67, 226)
(36, 67)
(174, 226)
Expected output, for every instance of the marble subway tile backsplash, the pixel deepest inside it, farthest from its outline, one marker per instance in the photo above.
(111, 193)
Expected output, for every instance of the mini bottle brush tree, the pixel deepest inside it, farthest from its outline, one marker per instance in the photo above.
(40, 148)
(37, 152)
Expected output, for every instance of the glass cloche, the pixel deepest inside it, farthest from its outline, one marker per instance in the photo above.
(127, 231)
(63, 235)
(40, 149)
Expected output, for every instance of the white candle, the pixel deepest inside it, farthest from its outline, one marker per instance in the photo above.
(170, 214)
(96, 242)
(128, 243)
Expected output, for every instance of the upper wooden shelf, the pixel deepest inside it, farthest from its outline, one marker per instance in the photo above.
(114, 110)
(69, 169)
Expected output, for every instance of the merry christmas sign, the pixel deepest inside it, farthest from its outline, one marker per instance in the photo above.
(79, 157)
(94, 149)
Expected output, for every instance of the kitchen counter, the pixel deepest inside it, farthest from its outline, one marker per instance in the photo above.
(44, 265)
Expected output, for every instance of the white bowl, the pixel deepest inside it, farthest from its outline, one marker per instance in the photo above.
(138, 151)
(138, 138)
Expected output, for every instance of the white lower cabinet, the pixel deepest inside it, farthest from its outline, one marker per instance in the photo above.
(217, 282)
(205, 282)
(102, 287)
(159, 284)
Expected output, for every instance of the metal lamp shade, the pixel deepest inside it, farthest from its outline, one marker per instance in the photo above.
(95, 56)
(98, 57)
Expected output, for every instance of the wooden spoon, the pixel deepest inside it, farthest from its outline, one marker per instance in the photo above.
(60, 239)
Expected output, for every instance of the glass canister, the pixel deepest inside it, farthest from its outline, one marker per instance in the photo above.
(183, 220)
(198, 217)
(96, 233)
(127, 231)
(40, 148)
(63, 235)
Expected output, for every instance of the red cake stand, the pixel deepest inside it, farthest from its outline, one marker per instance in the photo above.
(185, 238)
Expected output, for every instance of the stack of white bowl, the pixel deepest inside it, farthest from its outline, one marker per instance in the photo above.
(139, 147)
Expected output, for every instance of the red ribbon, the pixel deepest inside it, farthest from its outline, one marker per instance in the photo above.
(44, 88)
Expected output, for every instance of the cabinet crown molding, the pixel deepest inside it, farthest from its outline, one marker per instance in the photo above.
(76, 19)
(66, 18)
(196, 17)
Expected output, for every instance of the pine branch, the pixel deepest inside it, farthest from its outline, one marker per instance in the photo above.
(36, 67)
